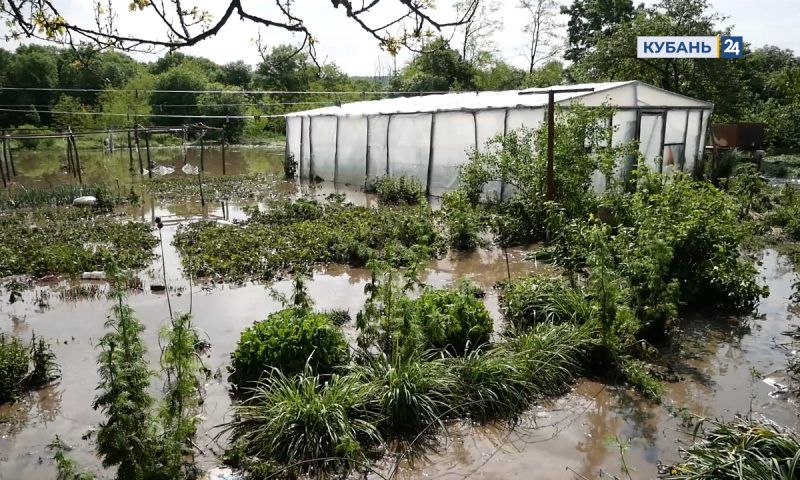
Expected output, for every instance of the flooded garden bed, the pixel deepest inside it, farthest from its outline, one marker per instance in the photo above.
(237, 259)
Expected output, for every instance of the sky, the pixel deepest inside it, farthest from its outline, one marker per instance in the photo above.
(339, 40)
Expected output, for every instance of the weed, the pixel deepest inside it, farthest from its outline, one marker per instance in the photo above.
(14, 361)
(463, 221)
(66, 467)
(536, 299)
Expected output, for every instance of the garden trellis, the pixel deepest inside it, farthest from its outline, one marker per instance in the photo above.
(429, 137)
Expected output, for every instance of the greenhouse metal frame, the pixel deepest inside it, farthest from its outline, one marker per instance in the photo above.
(429, 137)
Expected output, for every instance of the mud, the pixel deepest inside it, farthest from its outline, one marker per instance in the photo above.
(595, 430)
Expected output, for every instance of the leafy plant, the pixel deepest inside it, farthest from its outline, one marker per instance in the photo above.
(66, 467)
(462, 219)
(786, 213)
(286, 341)
(14, 361)
(452, 319)
(536, 299)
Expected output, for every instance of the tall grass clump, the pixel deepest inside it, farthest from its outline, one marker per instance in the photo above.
(411, 392)
(305, 424)
(740, 449)
(536, 299)
(402, 190)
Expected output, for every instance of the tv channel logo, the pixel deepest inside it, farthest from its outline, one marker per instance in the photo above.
(690, 47)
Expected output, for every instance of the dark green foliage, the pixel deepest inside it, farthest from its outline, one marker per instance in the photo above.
(285, 341)
(171, 188)
(536, 299)
(306, 424)
(453, 319)
(306, 231)
(69, 241)
(402, 190)
(289, 167)
(23, 368)
(740, 449)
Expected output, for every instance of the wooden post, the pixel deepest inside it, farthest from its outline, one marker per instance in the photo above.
(147, 150)
(138, 149)
(5, 157)
(550, 192)
(223, 151)
(3, 175)
(200, 183)
(11, 158)
(130, 153)
(4, 160)
(202, 151)
(70, 164)
(77, 157)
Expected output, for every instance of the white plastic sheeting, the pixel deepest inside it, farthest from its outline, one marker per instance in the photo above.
(429, 137)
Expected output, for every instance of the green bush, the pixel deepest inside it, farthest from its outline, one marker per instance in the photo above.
(402, 190)
(451, 319)
(535, 299)
(285, 341)
(34, 143)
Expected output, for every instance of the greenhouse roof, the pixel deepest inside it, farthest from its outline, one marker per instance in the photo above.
(633, 94)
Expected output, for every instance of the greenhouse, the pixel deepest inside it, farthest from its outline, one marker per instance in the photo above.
(429, 136)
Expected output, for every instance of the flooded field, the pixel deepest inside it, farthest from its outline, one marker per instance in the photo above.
(596, 431)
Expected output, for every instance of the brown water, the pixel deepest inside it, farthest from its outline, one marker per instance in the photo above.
(722, 360)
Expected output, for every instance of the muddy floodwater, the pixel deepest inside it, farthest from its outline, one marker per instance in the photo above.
(726, 365)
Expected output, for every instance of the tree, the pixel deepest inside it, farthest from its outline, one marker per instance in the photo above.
(185, 23)
(238, 74)
(284, 69)
(32, 67)
(183, 80)
(132, 100)
(73, 115)
(541, 28)
(84, 68)
(495, 74)
(437, 68)
(591, 20)
(718, 81)
(476, 34)
(549, 74)
(223, 104)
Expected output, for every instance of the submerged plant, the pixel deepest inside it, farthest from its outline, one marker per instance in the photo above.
(736, 450)
(402, 190)
(23, 368)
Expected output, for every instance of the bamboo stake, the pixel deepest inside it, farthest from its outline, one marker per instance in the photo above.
(70, 164)
(130, 153)
(77, 158)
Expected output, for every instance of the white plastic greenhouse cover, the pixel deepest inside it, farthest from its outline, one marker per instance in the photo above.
(429, 137)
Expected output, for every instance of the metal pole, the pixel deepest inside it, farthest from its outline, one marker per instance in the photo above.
(505, 132)
(335, 155)
(430, 157)
(550, 193)
(366, 168)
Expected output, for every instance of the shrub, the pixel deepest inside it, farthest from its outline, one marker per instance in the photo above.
(285, 341)
(402, 190)
(740, 449)
(34, 143)
(462, 219)
(305, 424)
(452, 318)
(535, 299)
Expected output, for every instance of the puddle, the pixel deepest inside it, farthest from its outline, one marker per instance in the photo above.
(726, 368)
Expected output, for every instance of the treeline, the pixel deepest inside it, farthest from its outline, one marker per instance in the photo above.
(600, 46)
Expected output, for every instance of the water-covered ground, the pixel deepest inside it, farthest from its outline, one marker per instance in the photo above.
(595, 431)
